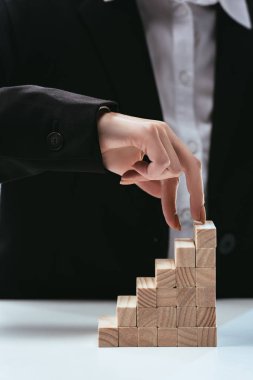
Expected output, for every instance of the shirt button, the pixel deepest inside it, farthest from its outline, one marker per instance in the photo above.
(182, 10)
(54, 141)
(193, 146)
(185, 77)
(227, 244)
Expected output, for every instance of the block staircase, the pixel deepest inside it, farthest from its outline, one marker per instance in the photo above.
(177, 307)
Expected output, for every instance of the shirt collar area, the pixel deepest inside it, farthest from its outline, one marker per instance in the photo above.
(236, 9)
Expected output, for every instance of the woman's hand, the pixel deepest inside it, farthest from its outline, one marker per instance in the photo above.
(124, 140)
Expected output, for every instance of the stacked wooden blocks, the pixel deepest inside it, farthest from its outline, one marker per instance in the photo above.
(177, 307)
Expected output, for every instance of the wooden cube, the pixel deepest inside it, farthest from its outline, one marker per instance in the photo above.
(166, 296)
(186, 297)
(206, 316)
(146, 317)
(165, 273)
(185, 277)
(167, 316)
(207, 337)
(185, 253)
(147, 336)
(187, 337)
(187, 316)
(206, 297)
(126, 311)
(205, 277)
(205, 235)
(167, 337)
(108, 334)
(128, 337)
(205, 257)
(146, 292)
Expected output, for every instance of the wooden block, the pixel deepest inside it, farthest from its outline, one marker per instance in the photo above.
(206, 316)
(187, 337)
(108, 334)
(166, 296)
(186, 297)
(205, 235)
(165, 273)
(167, 316)
(205, 277)
(187, 316)
(128, 337)
(147, 336)
(205, 257)
(126, 311)
(146, 292)
(206, 297)
(167, 337)
(186, 277)
(207, 336)
(146, 317)
(184, 253)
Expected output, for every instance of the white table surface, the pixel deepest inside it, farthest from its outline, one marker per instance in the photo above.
(58, 340)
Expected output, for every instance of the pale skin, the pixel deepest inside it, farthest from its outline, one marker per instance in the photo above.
(124, 140)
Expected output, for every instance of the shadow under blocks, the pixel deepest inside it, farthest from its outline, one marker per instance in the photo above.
(177, 307)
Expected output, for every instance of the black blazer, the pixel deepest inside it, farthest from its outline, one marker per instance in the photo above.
(67, 229)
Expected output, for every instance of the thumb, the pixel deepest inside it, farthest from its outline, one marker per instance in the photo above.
(139, 169)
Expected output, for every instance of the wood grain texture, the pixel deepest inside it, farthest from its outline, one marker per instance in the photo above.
(206, 297)
(128, 337)
(187, 316)
(205, 257)
(126, 311)
(205, 235)
(147, 336)
(165, 273)
(186, 297)
(167, 316)
(187, 337)
(146, 291)
(147, 317)
(205, 277)
(167, 337)
(166, 296)
(206, 316)
(207, 337)
(185, 253)
(186, 277)
(108, 335)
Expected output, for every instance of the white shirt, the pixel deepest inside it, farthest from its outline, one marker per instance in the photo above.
(181, 41)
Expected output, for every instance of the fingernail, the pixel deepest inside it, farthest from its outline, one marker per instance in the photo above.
(125, 182)
(177, 223)
(127, 179)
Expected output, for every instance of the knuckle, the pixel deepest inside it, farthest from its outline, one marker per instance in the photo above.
(164, 160)
(163, 164)
(162, 127)
(151, 128)
(177, 173)
(155, 126)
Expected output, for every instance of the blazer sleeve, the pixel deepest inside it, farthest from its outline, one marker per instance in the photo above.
(44, 129)
(48, 129)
